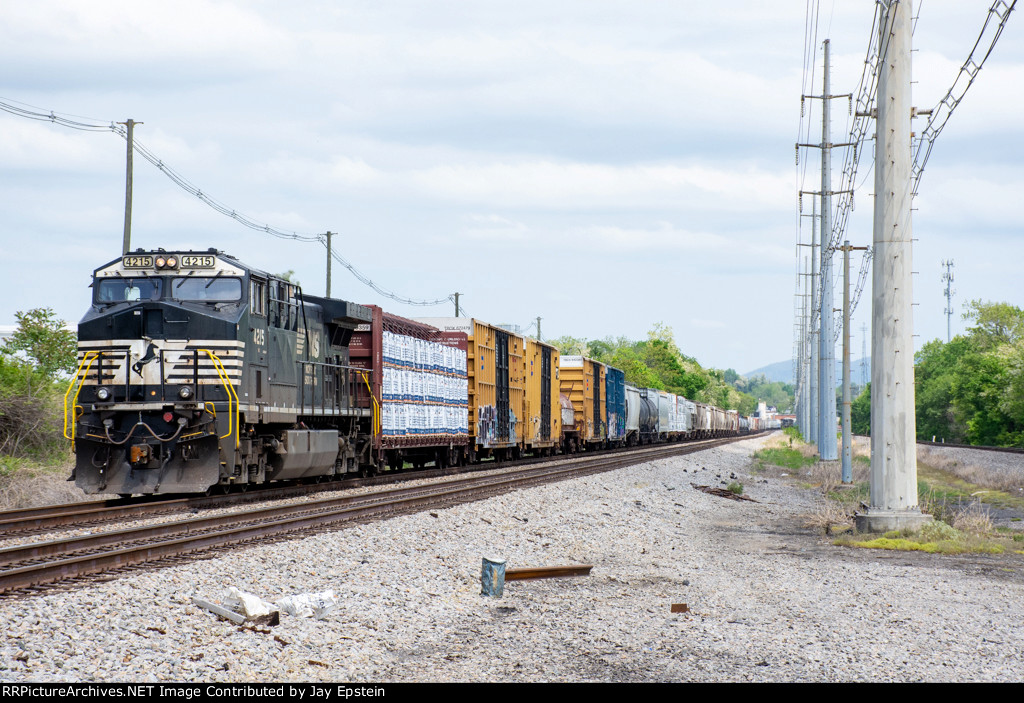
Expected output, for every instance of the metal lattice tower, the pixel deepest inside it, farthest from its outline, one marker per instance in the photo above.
(948, 278)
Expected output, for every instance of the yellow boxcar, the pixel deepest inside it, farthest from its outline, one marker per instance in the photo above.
(542, 429)
(495, 368)
(583, 380)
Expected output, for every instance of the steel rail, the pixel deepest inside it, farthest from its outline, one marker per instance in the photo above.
(29, 520)
(271, 524)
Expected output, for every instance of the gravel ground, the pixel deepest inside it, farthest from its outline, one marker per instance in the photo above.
(769, 600)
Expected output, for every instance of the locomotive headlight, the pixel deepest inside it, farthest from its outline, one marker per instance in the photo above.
(160, 262)
(185, 392)
(171, 262)
(103, 394)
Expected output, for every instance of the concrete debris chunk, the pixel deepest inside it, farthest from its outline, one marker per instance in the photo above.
(231, 615)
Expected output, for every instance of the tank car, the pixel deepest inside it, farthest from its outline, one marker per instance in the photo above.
(197, 371)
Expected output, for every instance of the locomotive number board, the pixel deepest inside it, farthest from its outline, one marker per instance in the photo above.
(136, 261)
(200, 261)
(186, 261)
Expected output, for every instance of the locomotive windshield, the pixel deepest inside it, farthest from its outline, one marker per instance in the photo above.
(207, 288)
(116, 290)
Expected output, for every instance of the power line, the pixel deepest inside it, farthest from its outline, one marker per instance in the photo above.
(183, 183)
(965, 77)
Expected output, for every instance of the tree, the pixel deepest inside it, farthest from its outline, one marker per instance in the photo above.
(860, 412)
(45, 342)
(995, 323)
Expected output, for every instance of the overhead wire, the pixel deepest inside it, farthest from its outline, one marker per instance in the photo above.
(12, 107)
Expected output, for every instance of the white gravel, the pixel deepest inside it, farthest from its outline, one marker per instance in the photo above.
(769, 599)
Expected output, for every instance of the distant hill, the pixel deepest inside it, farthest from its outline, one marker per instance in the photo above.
(782, 371)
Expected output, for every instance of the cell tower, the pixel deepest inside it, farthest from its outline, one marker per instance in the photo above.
(948, 278)
(863, 357)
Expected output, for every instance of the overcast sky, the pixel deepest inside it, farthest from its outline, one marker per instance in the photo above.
(603, 165)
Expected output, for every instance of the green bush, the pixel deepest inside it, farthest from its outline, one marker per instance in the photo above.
(31, 407)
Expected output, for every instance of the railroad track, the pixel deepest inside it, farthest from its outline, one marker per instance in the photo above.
(28, 569)
(28, 521)
(1008, 450)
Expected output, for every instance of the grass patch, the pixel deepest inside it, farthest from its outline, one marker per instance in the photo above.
(940, 539)
(785, 457)
(967, 535)
(735, 487)
(938, 487)
(850, 495)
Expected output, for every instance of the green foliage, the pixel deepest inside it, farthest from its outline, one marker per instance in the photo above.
(860, 412)
(971, 389)
(657, 362)
(774, 393)
(995, 323)
(31, 423)
(34, 365)
(569, 345)
(44, 341)
(735, 487)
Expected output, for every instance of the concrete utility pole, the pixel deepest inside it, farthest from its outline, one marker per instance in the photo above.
(328, 265)
(893, 420)
(804, 416)
(538, 330)
(815, 305)
(127, 244)
(827, 449)
(847, 454)
(457, 304)
(948, 278)
(823, 394)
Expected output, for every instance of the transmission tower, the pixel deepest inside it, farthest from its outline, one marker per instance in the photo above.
(948, 278)
(863, 356)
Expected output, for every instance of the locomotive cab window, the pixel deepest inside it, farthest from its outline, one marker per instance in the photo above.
(213, 289)
(118, 290)
(283, 305)
(258, 297)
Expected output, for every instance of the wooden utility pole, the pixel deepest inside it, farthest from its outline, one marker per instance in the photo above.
(127, 244)
(328, 264)
(457, 304)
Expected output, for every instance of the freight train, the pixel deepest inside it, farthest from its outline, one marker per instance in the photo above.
(197, 371)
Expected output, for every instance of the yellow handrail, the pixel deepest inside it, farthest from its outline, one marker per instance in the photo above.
(77, 380)
(219, 367)
(375, 426)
